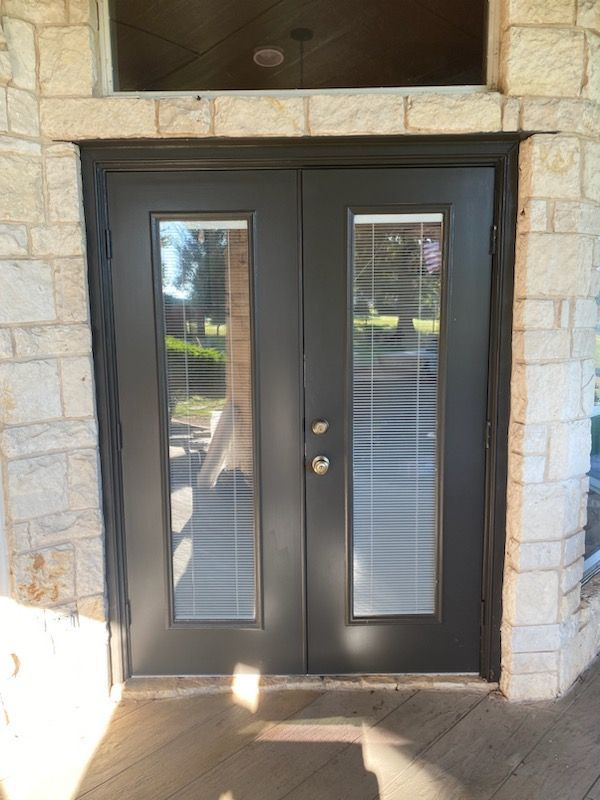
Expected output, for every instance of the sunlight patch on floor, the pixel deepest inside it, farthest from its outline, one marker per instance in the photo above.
(245, 687)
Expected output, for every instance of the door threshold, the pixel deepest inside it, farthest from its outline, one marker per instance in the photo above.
(161, 687)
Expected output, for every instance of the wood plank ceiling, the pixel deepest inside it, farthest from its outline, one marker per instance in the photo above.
(209, 44)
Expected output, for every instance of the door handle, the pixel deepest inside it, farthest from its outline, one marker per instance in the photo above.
(320, 465)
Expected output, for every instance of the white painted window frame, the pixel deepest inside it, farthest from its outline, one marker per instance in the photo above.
(493, 54)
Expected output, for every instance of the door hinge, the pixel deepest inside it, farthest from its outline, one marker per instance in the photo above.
(488, 434)
(128, 611)
(108, 243)
(493, 239)
(119, 436)
(482, 614)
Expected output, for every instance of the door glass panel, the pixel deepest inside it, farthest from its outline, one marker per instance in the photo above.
(397, 272)
(205, 281)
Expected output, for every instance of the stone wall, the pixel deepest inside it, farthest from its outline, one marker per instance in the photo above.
(50, 94)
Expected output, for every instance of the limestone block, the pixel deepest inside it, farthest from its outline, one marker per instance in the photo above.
(531, 598)
(67, 63)
(29, 391)
(11, 145)
(259, 116)
(38, 486)
(52, 340)
(546, 392)
(62, 185)
(356, 114)
(527, 663)
(543, 345)
(535, 12)
(570, 602)
(21, 47)
(585, 313)
(27, 440)
(19, 538)
(576, 217)
(92, 608)
(78, 388)
(553, 265)
(184, 116)
(39, 11)
(97, 118)
(65, 526)
(533, 216)
(591, 86)
(528, 557)
(71, 289)
(511, 112)
(13, 240)
(5, 67)
(23, 116)
(45, 577)
(534, 314)
(3, 111)
(83, 12)
(588, 14)
(573, 548)
(543, 512)
(552, 167)
(21, 194)
(528, 469)
(528, 439)
(571, 576)
(450, 113)
(534, 686)
(58, 240)
(89, 565)
(591, 170)
(26, 292)
(533, 638)
(569, 449)
(6, 345)
(584, 343)
(569, 116)
(83, 480)
(543, 61)
(587, 387)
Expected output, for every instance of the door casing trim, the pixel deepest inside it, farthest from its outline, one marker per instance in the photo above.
(499, 151)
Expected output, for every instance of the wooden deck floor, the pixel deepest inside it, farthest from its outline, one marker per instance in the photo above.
(352, 745)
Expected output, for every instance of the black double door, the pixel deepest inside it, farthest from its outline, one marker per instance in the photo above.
(302, 366)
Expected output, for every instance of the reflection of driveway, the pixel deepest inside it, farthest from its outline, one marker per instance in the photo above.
(212, 533)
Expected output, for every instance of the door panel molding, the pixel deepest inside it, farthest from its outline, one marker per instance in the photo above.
(99, 159)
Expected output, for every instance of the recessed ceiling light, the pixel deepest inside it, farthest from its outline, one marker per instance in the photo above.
(268, 56)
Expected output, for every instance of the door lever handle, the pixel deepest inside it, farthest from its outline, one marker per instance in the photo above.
(320, 465)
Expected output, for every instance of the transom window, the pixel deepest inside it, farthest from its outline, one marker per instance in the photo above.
(225, 45)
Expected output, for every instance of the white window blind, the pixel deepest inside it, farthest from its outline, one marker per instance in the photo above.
(206, 312)
(397, 266)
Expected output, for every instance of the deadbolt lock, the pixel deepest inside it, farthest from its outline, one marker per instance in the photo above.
(319, 426)
(320, 465)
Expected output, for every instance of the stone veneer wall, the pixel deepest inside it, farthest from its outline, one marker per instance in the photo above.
(50, 94)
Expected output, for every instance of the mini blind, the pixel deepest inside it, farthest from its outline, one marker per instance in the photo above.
(396, 278)
(206, 313)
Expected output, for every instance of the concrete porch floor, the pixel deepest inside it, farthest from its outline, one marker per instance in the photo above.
(355, 744)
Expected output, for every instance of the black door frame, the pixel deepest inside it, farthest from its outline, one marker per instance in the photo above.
(499, 151)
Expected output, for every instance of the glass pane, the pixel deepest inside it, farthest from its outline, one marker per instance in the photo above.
(223, 45)
(397, 266)
(592, 531)
(206, 311)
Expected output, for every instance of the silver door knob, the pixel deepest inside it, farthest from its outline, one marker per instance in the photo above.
(320, 465)
(319, 426)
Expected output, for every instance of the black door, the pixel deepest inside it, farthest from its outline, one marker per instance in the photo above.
(206, 306)
(303, 498)
(397, 281)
